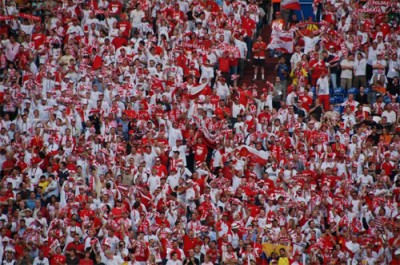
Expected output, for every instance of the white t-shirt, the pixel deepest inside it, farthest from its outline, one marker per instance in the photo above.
(173, 181)
(364, 36)
(365, 179)
(323, 86)
(114, 261)
(372, 55)
(360, 67)
(236, 109)
(153, 182)
(390, 116)
(381, 62)
(309, 43)
(394, 67)
(172, 262)
(296, 57)
(347, 73)
(37, 261)
(28, 29)
(241, 45)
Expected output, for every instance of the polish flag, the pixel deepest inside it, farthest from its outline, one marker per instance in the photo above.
(282, 41)
(195, 91)
(259, 157)
(290, 4)
(209, 139)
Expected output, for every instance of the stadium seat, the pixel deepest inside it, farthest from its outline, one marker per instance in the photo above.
(352, 91)
(387, 99)
(340, 98)
(339, 90)
(339, 109)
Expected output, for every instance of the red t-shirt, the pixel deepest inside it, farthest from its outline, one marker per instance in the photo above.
(86, 262)
(200, 153)
(248, 25)
(78, 247)
(224, 65)
(190, 243)
(259, 50)
(58, 258)
(38, 39)
(125, 27)
(115, 7)
(119, 42)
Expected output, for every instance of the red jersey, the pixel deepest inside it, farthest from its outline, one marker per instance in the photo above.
(200, 152)
(248, 25)
(58, 259)
(259, 49)
(125, 27)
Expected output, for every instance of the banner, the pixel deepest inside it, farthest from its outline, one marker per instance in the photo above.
(282, 41)
(372, 10)
(383, 3)
(2, 18)
(290, 4)
(22, 15)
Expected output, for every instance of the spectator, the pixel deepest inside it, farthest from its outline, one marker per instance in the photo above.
(360, 65)
(346, 76)
(283, 74)
(322, 89)
(259, 50)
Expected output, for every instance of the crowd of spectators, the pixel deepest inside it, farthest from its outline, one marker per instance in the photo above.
(127, 134)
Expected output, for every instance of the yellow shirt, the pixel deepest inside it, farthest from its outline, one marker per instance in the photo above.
(43, 185)
(283, 261)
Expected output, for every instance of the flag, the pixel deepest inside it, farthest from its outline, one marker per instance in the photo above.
(209, 139)
(259, 157)
(122, 190)
(195, 91)
(356, 225)
(290, 4)
(282, 41)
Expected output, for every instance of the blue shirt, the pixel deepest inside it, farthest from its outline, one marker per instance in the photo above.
(282, 70)
(30, 203)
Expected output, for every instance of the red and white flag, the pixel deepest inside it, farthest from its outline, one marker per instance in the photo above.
(209, 139)
(290, 4)
(282, 41)
(259, 157)
(195, 91)
(356, 225)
